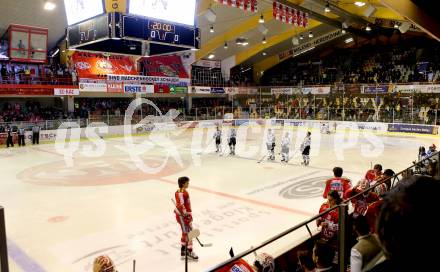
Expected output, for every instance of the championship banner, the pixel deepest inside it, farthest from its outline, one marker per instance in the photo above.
(247, 5)
(96, 65)
(66, 91)
(136, 88)
(290, 15)
(93, 87)
(375, 89)
(156, 80)
(316, 90)
(286, 91)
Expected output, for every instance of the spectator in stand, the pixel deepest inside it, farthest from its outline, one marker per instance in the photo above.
(330, 221)
(323, 255)
(305, 262)
(338, 183)
(366, 248)
(103, 264)
(403, 227)
(36, 134)
(9, 141)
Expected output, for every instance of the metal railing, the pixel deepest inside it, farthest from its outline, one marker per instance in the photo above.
(424, 116)
(4, 267)
(36, 80)
(343, 216)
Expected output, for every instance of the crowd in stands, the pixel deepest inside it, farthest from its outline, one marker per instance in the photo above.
(30, 111)
(370, 64)
(55, 74)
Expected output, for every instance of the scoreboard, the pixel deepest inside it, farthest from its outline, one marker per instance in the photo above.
(157, 31)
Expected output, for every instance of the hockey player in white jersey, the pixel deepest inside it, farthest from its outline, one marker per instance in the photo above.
(232, 140)
(325, 128)
(285, 147)
(305, 147)
(270, 143)
(218, 139)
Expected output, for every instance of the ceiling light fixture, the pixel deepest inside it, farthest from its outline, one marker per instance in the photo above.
(49, 5)
(211, 29)
(261, 20)
(211, 56)
(396, 25)
(225, 46)
(343, 31)
(367, 28)
(264, 53)
(310, 34)
(301, 37)
(327, 7)
(264, 40)
(349, 40)
(359, 3)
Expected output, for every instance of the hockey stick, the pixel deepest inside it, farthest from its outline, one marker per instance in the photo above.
(262, 159)
(194, 233)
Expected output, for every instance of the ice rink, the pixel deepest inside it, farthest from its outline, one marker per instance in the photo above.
(60, 217)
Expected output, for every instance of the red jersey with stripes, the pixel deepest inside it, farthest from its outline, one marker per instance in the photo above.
(183, 204)
(341, 185)
(331, 223)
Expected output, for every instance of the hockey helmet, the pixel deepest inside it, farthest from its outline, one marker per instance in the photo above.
(265, 263)
(103, 264)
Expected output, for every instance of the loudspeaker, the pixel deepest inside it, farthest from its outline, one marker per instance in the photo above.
(295, 41)
(210, 15)
(263, 29)
(369, 11)
(403, 28)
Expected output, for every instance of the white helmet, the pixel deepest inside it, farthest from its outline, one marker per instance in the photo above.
(265, 263)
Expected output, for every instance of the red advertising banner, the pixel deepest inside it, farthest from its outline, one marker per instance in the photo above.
(115, 87)
(164, 66)
(161, 89)
(26, 91)
(97, 66)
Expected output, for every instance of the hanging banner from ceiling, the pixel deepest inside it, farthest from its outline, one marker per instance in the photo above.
(96, 65)
(164, 66)
(290, 15)
(247, 5)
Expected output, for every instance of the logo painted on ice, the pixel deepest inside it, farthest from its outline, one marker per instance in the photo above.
(305, 188)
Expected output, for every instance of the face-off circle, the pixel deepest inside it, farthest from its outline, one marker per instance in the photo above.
(96, 172)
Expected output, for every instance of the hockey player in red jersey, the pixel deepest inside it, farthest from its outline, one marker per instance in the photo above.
(372, 175)
(338, 183)
(329, 222)
(183, 214)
